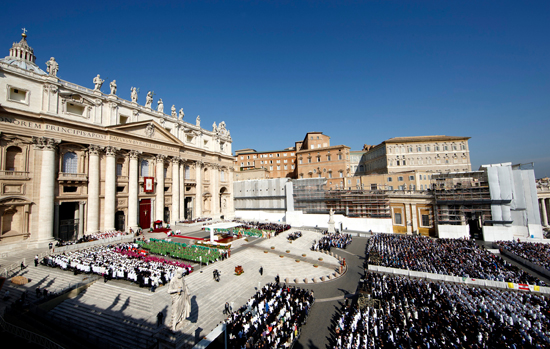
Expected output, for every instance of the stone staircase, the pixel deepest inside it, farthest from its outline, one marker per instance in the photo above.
(113, 315)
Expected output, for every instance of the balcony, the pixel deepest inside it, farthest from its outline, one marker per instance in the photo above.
(14, 174)
(72, 177)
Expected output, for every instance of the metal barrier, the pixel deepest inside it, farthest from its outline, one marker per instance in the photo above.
(29, 336)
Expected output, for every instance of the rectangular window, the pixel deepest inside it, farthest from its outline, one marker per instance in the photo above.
(427, 148)
(278, 161)
(400, 179)
(339, 156)
(18, 95)
(318, 159)
(300, 161)
(222, 175)
(330, 175)
(284, 154)
(187, 172)
(328, 157)
(341, 174)
(397, 163)
(254, 156)
(271, 168)
(425, 220)
(312, 146)
(309, 160)
(398, 219)
(75, 109)
(119, 169)
(242, 157)
(411, 178)
(292, 167)
(291, 154)
(390, 187)
(373, 187)
(390, 179)
(285, 161)
(278, 168)
(404, 163)
(286, 167)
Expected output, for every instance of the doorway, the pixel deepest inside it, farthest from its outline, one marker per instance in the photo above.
(188, 208)
(145, 213)
(68, 223)
(120, 221)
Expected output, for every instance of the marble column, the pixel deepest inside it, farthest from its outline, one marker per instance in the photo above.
(544, 215)
(81, 218)
(56, 220)
(93, 189)
(414, 218)
(152, 215)
(175, 215)
(47, 188)
(215, 190)
(198, 189)
(182, 190)
(159, 211)
(110, 189)
(133, 188)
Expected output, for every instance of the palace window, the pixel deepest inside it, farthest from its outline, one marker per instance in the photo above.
(187, 172)
(119, 169)
(14, 159)
(144, 168)
(70, 163)
(222, 175)
(397, 218)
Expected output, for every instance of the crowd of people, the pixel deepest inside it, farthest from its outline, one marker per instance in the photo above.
(274, 228)
(455, 257)
(121, 261)
(329, 240)
(194, 253)
(410, 313)
(293, 236)
(92, 237)
(270, 319)
(535, 252)
(196, 220)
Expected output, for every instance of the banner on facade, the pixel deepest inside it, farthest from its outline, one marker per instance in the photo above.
(148, 184)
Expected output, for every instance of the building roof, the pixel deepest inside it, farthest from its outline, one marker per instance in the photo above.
(424, 139)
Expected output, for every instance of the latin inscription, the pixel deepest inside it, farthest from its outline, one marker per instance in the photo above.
(72, 131)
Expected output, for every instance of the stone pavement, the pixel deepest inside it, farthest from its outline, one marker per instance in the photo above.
(130, 312)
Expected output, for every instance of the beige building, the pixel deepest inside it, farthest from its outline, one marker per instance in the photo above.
(316, 158)
(75, 160)
(422, 153)
(409, 180)
(276, 164)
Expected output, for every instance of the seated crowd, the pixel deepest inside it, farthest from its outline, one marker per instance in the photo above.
(92, 237)
(331, 240)
(293, 236)
(423, 314)
(274, 228)
(455, 257)
(270, 319)
(196, 220)
(535, 252)
(121, 261)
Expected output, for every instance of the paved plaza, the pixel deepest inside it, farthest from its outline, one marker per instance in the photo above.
(132, 311)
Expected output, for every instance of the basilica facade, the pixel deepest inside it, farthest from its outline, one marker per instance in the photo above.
(76, 160)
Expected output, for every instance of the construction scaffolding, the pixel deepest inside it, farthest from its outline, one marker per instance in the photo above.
(462, 198)
(311, 197)
(359, 203)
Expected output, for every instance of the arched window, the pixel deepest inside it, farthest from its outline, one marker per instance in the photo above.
(144, 168)
(70, 163)
(14, 159)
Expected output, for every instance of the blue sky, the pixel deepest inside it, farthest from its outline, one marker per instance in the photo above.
(358, 71)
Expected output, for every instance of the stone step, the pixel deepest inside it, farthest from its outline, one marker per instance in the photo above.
(122, 331)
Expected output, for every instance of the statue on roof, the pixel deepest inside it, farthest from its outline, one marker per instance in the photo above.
(173, 111)
(198, 121)
(53, 67)
(134, 94)
(149, 99)
(112, 85)
(98, 82)
(182, 114)
(160, 106)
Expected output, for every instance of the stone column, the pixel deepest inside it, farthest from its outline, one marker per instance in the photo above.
(198, 191)
(81, 218)
(133, 188)
(93, 189)
(182, 189)
(414, 218)
(159, 211)
(175, 215)
(110, 189)
(56, 220)
(152, 215)
(544, 215)
(47, 188)
(214, 177)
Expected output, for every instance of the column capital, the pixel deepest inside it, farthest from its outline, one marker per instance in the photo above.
(45, 143)
(82, 203)
(160, 158)
(111, 151)
(94, 149)
(176, 159)
(134, 154)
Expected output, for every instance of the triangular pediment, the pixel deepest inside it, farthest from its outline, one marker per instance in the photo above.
(149, 130)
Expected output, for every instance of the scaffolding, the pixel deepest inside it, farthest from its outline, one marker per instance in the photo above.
(359, 203)
(462, 198)
(311, 197)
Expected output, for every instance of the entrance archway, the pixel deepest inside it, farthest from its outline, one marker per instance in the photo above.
(120, 221)
(68, 221)
(145, 213)
(222, 203)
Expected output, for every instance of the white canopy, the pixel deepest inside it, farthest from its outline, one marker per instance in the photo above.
(224, 225)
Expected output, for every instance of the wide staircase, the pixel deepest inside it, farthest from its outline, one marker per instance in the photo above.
(115, 315)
